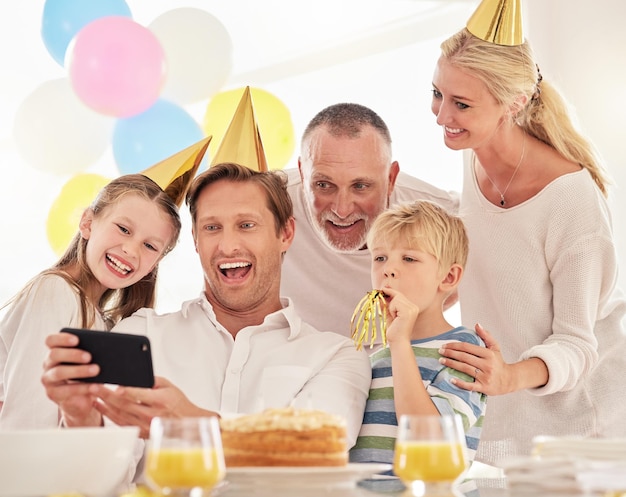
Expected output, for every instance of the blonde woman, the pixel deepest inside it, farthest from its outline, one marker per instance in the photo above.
(542, 271)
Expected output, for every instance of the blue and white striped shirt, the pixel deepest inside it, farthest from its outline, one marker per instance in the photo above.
(377, 437)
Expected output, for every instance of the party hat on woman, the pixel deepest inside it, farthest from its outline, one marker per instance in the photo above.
(498, 21)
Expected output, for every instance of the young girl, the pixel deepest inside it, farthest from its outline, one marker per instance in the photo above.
(107, 273)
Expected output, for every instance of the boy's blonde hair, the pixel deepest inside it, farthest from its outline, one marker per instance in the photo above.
(424, 226)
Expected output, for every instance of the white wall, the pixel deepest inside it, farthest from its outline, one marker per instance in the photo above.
(581, 47)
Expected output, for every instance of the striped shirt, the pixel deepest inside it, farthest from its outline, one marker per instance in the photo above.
(377, 437)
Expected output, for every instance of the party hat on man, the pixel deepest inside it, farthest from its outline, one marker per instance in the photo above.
(242, 141)
(498, 21)
(175, 174)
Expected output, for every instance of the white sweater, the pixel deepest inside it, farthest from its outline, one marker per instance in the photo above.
(541, 278)
(51, 304)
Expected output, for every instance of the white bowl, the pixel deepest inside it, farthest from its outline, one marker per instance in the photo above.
(87, 461)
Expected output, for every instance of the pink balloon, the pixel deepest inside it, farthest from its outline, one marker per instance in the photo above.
(116, 66)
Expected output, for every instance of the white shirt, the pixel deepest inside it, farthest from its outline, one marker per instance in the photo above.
(282, 362)
(327, 284)
(48, 306)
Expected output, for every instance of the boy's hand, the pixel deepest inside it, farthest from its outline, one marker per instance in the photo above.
(402, 314)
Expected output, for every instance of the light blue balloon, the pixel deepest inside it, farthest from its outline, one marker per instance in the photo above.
(62, 19)
(143, 140)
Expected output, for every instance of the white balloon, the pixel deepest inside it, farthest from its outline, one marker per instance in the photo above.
(55, 132)
(199, 53)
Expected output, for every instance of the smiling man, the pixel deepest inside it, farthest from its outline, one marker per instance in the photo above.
(345, 178)
(239, 347)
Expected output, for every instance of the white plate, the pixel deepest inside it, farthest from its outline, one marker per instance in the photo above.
(589, 448)
(297, 477)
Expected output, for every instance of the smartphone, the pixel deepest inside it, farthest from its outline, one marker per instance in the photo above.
(124, 359)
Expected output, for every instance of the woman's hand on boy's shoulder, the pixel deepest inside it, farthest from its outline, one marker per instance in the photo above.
(485, 364)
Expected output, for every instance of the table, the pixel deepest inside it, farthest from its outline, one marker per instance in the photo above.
(380, 488)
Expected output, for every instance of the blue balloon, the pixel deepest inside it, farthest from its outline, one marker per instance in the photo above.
(143, 140)
(62, 19)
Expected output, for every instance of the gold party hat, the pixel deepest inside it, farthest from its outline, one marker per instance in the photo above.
(498, 21)
(175, 174)
(242, 141)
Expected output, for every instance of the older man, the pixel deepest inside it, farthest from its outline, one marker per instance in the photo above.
(239, 347)
(345, 178)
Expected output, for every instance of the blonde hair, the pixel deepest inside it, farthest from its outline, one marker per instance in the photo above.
(114, 304)
(425, 226)
(509, 72)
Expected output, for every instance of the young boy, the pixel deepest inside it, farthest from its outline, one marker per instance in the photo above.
(418, 254)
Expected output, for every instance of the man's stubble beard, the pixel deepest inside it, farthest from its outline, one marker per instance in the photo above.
(343, 244)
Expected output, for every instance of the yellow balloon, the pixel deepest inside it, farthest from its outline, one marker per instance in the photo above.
(64, 214)
(272, 116)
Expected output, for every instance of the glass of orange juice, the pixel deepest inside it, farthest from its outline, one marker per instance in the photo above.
(184, 456)
(430, 454)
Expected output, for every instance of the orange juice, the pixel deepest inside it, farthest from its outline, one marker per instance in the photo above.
(428, 461)
(184, 468)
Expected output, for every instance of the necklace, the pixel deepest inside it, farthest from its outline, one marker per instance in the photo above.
(521, 158)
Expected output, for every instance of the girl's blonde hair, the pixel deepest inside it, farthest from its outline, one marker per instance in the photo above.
(424, 226)
(509, 72)
(114, 304)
